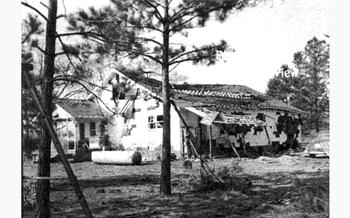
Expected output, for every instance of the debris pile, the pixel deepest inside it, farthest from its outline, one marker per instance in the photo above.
(319, 147)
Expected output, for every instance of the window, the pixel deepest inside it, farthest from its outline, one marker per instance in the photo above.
(160, 121)
(155, 122)
(103, 128)
(70, 145)
(261, 117)
(92, 129)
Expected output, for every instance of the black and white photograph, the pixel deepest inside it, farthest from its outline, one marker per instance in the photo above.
(175, 108)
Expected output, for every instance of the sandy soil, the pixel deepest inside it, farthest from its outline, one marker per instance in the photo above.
(262, 187)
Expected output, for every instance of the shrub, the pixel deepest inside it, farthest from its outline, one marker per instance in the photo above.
(28, 193)
(312, 197)
(136, 158)
(227, 175)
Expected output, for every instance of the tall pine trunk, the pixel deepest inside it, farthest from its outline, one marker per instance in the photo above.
(165, 176)
(43, 186)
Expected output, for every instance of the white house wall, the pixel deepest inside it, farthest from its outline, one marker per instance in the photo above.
(135, 132)
(93, 140)
(64, 128)
(61, 113)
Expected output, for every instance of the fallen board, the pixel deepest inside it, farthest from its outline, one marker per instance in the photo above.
(116, 157)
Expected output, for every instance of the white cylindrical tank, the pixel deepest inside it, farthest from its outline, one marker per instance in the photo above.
(116, 157)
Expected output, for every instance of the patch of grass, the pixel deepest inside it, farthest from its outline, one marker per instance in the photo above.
(311, 197)
(252, 189)
(305, 198)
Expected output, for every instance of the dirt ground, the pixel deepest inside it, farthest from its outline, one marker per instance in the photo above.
(287, 186)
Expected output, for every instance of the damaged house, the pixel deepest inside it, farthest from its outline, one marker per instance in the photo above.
(220, 118)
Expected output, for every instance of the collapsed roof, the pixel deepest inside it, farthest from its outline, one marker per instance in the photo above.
(223, 97)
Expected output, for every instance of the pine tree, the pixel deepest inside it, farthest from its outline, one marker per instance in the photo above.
(308, 89)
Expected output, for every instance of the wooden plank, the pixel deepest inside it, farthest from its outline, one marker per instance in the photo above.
(182, 147)
(234, 150)
(267, 134)
(210, 144)
(42, 178)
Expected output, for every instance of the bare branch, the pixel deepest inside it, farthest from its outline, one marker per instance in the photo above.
(43, 4)
(62, 90)
(150, 40)
(157, 13)
(174, 67)
(60, 53)
(34, 9)
(88, 90)
(40, 49)
(71, 77)
(65, 51)
(60, 16)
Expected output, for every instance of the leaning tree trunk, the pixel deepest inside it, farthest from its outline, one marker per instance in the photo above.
(165, 176)
(43, 186)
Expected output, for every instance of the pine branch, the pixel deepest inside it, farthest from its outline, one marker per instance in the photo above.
(187, 53)
(195, 59)
(67, 54)
(181, 26)
(182, 12)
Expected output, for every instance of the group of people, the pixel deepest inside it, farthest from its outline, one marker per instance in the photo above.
(290, 126)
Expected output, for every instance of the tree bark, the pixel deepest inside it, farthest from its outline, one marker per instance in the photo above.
(165, 176)
(43, 186)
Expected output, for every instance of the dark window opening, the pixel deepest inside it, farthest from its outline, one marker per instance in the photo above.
(81, 131)
(155, 122)
(92, 129)
(261, 117)
(160, 121)
(70, 145)
(103, 128)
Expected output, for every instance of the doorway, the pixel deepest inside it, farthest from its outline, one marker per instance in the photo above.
(81, 131)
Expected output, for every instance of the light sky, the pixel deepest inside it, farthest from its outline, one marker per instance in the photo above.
(264, 38)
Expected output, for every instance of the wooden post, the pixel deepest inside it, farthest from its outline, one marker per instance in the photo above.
(75, 133)
(182, 147)
(210, 144)
(233, 148)
(267, 134)
(60, 151)
(67, 132)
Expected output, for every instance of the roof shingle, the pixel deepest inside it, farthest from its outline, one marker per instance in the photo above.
(83, 109)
